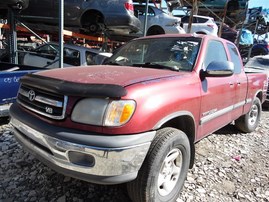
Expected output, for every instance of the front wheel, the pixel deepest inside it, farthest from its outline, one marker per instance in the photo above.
(249, 122)
(164, 170)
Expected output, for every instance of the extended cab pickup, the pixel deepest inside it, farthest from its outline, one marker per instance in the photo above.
(136, 119)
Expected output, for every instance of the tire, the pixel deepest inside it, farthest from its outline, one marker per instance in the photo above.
(249, 122)
(164, 170)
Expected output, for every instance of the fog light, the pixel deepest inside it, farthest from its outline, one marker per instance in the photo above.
(81, 159)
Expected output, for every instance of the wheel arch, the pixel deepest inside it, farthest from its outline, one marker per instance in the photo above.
(259, 95)
(183, 121)
(94, 14)
(153, 27)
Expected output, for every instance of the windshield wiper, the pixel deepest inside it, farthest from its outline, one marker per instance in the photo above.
(155, 66)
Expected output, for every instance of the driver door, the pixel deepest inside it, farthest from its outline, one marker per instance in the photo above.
(218, 93)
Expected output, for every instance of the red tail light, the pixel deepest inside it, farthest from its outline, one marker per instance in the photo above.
(129, 6)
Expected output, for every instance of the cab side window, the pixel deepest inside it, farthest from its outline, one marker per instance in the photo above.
(235, 58)
(215, 51)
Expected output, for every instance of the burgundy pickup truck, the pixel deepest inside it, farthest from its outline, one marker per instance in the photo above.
(136, 119)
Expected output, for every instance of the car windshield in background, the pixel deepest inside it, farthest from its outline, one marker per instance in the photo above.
(172, 53)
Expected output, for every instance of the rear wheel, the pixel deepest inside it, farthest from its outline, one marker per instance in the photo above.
(249, 122)
(164, 170)
(92, 22)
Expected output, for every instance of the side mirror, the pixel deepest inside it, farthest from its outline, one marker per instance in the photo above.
(218, 69)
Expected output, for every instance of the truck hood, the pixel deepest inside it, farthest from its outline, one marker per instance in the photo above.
(104, 81)
(107, 74)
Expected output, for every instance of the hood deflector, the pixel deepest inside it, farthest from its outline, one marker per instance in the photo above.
(73, 89)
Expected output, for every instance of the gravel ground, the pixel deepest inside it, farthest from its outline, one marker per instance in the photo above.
(229, 166)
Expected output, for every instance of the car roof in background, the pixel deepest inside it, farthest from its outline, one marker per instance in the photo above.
(73, 46)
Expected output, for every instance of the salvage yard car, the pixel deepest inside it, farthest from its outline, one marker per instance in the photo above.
(158, 22)
(200, 24)
(89, 16)
(232, 5)
(136, 119)
(15, 4)
(47, 56)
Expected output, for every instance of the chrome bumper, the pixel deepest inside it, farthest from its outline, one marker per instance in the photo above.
(112, 165)
(4, 110)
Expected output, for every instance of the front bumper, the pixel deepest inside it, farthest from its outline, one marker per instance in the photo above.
(100, 159)
(4, 110)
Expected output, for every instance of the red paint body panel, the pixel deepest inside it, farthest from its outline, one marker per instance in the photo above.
(106, 74)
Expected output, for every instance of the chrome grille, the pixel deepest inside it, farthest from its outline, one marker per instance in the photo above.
(42, 102)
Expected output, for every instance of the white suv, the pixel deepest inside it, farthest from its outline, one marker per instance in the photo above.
(159, 22)
(200, 24)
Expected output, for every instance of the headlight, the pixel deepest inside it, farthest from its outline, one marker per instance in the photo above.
(103, 112)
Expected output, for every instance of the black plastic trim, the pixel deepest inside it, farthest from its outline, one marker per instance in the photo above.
(73, 89)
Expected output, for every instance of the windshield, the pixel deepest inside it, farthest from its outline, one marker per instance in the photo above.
(160, 53)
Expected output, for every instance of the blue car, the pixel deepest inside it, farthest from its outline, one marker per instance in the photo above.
(261, 48)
